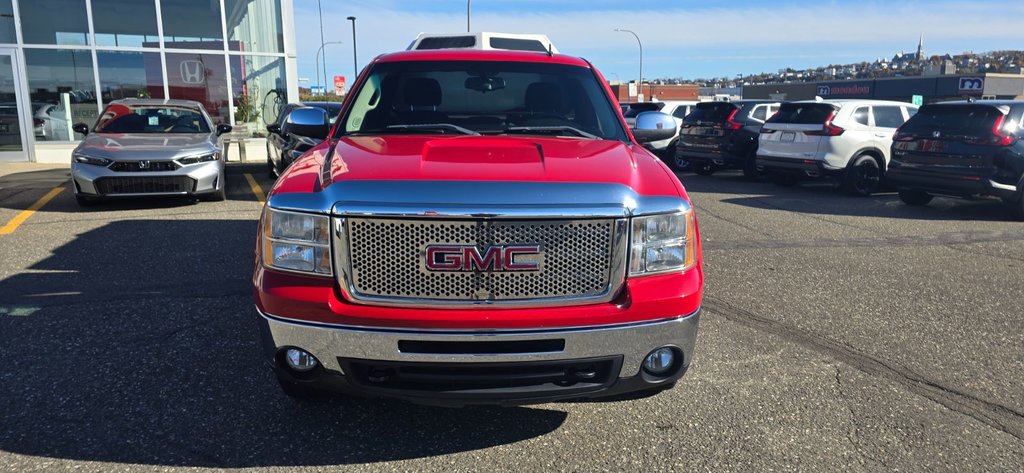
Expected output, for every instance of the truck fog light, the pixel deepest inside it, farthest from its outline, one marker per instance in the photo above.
(659, 362)
(299, 360)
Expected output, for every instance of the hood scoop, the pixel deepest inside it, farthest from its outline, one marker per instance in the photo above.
(461, 158)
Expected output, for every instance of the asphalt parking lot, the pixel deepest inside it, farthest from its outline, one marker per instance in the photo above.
(838, 333)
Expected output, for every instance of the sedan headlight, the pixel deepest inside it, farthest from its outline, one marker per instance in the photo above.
(663, 244)
(296, 242)
(86, 159)
(205, 158)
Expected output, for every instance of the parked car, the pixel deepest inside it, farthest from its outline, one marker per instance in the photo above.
(484, 230)
(961, 149)
(283, 147)
(844, 139)
(722, 135)
(149, 147)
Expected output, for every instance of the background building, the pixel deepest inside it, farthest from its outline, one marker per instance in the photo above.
(62, 61)
(930, 88)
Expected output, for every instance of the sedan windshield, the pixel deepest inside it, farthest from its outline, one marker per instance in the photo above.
(483, 97)
(120, 118)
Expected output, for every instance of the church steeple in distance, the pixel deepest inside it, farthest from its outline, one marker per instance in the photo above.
(920, 48)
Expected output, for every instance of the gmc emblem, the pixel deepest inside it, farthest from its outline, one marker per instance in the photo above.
(468, 258)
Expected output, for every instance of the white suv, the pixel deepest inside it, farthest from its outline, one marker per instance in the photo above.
(847, 139)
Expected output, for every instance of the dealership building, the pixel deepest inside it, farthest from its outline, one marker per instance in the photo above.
(928, 88)
(62, 61)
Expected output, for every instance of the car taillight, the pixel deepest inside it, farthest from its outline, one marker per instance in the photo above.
(731, 123)
(901, 136)
(997, 138)
(828, 129)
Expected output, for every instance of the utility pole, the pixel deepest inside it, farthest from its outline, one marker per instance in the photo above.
(355, 61)
(468, 30)
(321, 12)
(640, 85)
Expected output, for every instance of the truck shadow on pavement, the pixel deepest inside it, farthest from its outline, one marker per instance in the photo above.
(824, 198)
(137, 343)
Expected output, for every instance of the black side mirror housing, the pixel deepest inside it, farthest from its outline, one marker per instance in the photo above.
(274, 128)
(81, 128)
(222, 129)
(309, 122)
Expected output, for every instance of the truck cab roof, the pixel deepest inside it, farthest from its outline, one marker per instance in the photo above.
(484, 41)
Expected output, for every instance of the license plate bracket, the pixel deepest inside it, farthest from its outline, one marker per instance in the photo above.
(788, 137)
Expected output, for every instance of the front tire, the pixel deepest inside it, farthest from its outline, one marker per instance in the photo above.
(750, 167)
(915, 197)
(678, 163)
(864, 177)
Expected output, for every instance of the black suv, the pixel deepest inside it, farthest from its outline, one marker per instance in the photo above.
(722, 135)
(961, 149)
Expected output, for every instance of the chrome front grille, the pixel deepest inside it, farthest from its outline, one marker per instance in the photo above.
(143, 166)
(383, 261)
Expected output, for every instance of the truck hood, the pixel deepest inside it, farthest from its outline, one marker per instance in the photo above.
(149, 146)
(482, 158)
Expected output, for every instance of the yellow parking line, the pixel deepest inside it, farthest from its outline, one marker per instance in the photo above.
(256, 189)
(25, 214)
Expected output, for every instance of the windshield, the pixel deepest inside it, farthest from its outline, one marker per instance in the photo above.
(120, 118)
(485, 97)
(803, 113)
(953, 120)
(711, 112)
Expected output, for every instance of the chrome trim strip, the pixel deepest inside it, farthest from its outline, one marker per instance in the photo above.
(477, 199)
(616, 279)
(633, 342)
(1001, 186)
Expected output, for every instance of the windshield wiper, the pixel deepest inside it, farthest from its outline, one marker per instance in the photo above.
(435, 127)
(561, 129)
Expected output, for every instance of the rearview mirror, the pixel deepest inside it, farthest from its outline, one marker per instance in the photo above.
(274, 128)
(485, 84)
(654, 126)
(81, 128)
(310, 122)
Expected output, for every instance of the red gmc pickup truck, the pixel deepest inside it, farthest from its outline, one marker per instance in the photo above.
(479, 227)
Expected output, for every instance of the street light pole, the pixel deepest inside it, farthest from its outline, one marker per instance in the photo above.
(467, 16)
(322, 44)
(355, 62)
(640, 86)
(318, 51)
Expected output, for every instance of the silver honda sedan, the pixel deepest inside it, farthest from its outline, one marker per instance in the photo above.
(149, 147)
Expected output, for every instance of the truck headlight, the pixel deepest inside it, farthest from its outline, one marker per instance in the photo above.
(663, 244)
(296, 242)
(86, 159)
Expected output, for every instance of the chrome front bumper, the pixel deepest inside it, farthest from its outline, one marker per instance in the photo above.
(209, 177)
(633, 342)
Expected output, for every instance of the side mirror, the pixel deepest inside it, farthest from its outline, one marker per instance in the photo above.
(274, 128)
(222, 129)
(310, 122)
(654, 126)
(81, 128)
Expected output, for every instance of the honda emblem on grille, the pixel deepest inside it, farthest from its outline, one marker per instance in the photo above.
(143, 164)
(469, 258)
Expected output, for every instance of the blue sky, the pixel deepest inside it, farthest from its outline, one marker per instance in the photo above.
(683, 38)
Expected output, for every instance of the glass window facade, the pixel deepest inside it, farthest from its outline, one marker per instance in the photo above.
(259, 91)
(7, 32)
(229, 55)
(203, 78)
(129, 74)
(250, 24)
(125, 23)
(54, 22)
(192, 24)
(61, 81)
